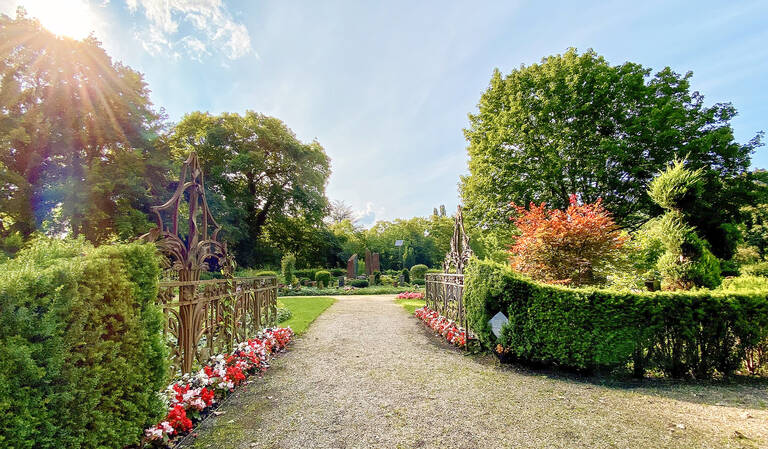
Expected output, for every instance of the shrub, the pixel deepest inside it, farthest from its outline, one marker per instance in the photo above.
(406, 275)
(687, 260)
(758, 269)
(324, 277)
(745, 282)
(419, 282)
(376, 277)
(81, 350)
(573, 246)
(359, 283)
(418, 271)
(283, 313)
(288, 266)
(693, 333)
(338, 272)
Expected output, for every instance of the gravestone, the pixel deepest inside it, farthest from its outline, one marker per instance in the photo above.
(352, 266)
(376, 265)
(497, 322)
(341, 281)
(368, 263)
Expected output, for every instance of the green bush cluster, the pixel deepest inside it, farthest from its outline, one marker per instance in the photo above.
(288, 268)
(81, 350)
(419, 282)
(376, 277)
(370, 290)
(697, 333)
(359, 283)
(406, 276)
(323, 278)
(419, 271)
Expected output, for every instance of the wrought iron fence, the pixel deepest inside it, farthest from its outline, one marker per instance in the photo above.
(204, 318)
(445, 295)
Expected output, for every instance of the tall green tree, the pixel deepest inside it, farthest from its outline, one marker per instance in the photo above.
(576, 124)
(77, 135)
(257, 170)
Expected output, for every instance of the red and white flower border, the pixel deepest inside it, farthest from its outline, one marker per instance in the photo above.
(410, 295)
(443, 326)
(191, 396)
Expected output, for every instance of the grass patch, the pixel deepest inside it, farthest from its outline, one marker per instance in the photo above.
(304, 311)
(410, 305)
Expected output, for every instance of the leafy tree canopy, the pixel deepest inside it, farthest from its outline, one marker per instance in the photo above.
(77, 134)
(260, 173)
(575, 123)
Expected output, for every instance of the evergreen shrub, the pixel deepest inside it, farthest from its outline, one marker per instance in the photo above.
(419, 271)
(81, 350)
(324, 277)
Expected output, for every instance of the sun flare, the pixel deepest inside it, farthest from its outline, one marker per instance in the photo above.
(70, 18)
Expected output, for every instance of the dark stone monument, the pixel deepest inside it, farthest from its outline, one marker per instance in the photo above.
(352, 266)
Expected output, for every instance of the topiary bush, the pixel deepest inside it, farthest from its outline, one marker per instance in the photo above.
(288, 268)
(697, 333)
(324, 277)
(419, 282)
(419, 271)
(82, 355)
(338, 272)
(376, 277)
(359, 283)
(687, 261)
(406, 275)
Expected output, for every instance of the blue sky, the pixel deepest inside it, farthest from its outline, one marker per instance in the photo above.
(386, 86)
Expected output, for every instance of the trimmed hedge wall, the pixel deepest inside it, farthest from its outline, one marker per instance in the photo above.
(81, 350)
(677, 333)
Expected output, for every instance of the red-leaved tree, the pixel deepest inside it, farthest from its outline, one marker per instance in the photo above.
(572, 246)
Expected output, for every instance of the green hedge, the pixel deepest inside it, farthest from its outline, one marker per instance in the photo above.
(419, 271)
(81, 350)
(677, 333)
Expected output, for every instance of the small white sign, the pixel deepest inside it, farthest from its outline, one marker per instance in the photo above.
(497, 322)
(398, 243)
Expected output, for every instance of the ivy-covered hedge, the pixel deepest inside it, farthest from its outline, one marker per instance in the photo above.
(81, 350)
(693, 333)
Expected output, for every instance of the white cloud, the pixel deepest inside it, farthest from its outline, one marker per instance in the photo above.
(197, 28)
(368, 216)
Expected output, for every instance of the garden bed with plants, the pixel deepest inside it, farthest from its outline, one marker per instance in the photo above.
(448, 329)
(193, 397)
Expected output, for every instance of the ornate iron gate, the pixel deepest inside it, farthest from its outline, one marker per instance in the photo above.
(445, 291)
(204, 317)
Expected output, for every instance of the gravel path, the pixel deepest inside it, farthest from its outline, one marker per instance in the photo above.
(366, 374)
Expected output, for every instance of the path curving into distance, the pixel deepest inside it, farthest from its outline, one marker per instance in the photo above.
(368, 375)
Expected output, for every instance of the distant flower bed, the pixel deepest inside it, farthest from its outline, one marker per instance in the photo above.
(443, 326)
(190, 398)
(410, 295)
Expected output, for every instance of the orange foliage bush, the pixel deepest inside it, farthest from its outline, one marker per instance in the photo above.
(570, 246)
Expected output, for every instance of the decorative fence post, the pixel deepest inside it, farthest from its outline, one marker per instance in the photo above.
(445, 291)
(215, 312)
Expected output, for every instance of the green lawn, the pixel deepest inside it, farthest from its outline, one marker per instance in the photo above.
(304, 311)
(410, 305)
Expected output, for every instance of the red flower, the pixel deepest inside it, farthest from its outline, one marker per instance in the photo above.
(207, 396)
(177, 418)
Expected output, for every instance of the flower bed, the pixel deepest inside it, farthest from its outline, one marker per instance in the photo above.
(190, 398)
(443, 326)
(410, 295)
